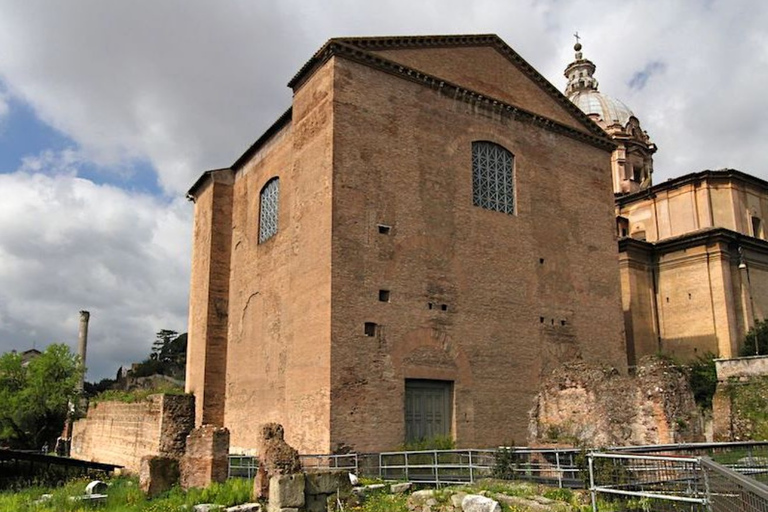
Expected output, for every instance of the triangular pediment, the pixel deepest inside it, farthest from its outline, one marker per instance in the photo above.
(483, 64)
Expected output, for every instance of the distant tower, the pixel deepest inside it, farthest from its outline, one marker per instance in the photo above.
(83, 342)
(632, 161)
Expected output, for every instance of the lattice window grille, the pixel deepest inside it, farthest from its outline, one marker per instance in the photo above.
(269, 201)
(492, 180)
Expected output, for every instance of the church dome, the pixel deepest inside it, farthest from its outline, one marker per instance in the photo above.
(632, 160)
(608, 110)
(582, 91)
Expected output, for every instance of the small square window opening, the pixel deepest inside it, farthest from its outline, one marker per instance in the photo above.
(383, 295)
(370, 329)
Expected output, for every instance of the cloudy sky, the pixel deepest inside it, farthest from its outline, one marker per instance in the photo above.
(109, 110)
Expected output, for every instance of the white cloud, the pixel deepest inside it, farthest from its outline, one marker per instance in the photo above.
(68, 244)
(188, 85)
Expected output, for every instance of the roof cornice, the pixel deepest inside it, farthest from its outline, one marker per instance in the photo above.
(343, 47)
(278, 125)
(704, 236)
(687, 179)
(334, 47)
(201, 180)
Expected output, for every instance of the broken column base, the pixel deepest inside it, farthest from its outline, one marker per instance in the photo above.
(158, 474)
(205, 459)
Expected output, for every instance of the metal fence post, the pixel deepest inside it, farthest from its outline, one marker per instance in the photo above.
(559, 471)
(707, 487)
(592, 483)
(471, 472)
(437, 470)
(407, 478)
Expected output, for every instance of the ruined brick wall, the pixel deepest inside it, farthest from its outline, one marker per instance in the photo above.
(521, 292)
(122, 433)
(206, 457)
(741, 400)
(593, 405)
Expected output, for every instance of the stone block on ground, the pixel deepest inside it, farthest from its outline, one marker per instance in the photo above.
(477, 503)
(286, 491)
(245, 507)
(207, 507)
(400, 488)
(421, 499)
(316, 502)
(457, 498)
(532, 505)
(157, 474)
(328, 482)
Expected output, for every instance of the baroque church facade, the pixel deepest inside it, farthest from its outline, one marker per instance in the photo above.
(402, 255)
(692, 250)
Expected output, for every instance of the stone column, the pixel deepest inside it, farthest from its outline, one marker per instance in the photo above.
(82, 344)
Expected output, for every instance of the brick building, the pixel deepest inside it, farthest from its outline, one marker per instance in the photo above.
(426, 232)
(692, 250)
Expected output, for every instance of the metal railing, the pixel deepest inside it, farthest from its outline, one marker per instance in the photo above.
(243, 466)
(646, 478)
(665, 482)
(437, 467)
(559, 467)
(317, 462)
(729, 491)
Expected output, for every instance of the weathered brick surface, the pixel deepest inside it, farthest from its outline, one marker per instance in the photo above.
(122, 433)
(522, 292)
(589, 405)
(208, 299)
(158, 474)
(206, 457)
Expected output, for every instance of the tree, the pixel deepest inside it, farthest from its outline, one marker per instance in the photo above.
(34, 399)
(756, 340)
(168, 357)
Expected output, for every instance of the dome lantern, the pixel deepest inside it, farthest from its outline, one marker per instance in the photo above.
(632, 161)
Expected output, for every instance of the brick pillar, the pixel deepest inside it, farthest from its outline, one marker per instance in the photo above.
(209, 296)
(206, 457)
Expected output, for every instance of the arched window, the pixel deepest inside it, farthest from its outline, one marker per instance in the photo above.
(269, 201)
(493, 185)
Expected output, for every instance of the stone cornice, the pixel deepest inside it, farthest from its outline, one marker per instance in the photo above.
(721, 175)
(707, 236)
(202, 180)
(356, 49)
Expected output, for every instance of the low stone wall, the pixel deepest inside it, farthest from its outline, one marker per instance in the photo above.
(597, 406)
(123, 433)
(741, 367)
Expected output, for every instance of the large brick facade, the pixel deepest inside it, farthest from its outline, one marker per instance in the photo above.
(382, 270)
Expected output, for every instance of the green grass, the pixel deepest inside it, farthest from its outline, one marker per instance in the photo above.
(124, 495)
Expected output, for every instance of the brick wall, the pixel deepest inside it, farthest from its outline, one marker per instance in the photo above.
(122, 433)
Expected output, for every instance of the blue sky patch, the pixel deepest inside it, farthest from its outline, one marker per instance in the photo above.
(640, 78)
(23, 134)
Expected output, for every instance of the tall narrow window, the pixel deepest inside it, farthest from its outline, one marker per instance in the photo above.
(492, 178)
(269, 203)
(757, 227)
